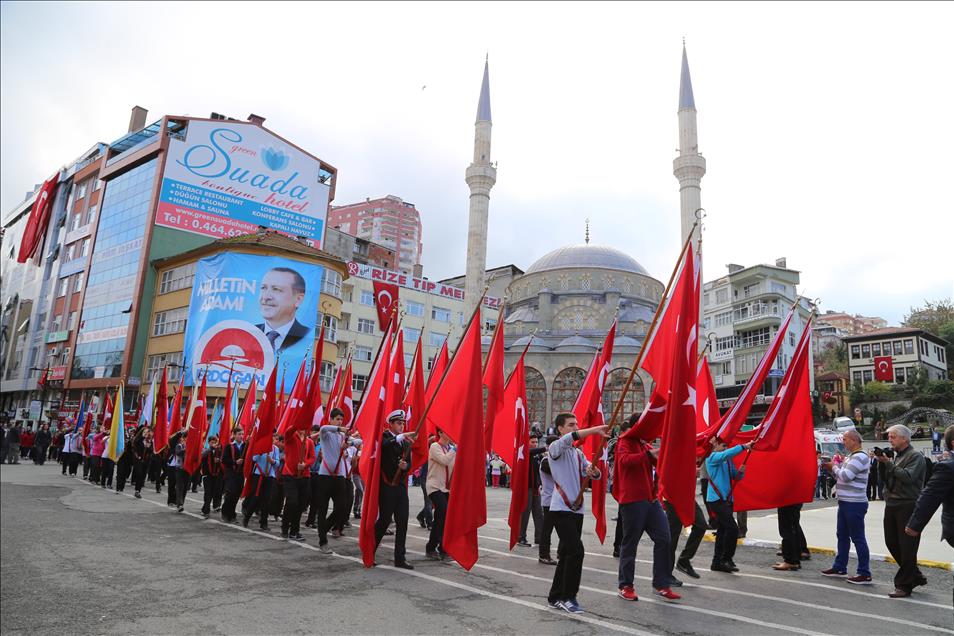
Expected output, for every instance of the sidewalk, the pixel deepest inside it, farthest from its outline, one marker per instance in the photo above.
(819, 526)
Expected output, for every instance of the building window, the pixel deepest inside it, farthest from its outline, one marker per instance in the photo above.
(435, 339)
(411, 335)
(62, 286)
(866, 376)
(171, 321)
(84, 248)
(170, 361)
(536, 396)
(899, 375)
(876, 349)
(909, 347)
(81, 190)
(177, 278)
(72, 323)
(365, 325)
(326, 375)
(791, 338)
(724, 318)
(725, 344)
(75, 221)
(897, 347)
(408, 360)
(331, 282)
(78, 282)
(722, 296)
(441, 315)
(330, 323)
(367, 297)
(566, 388)
(755, 338)
(363, 353)
(90, 215)
(856, 377)
(865, 351)
(778, 288)
(727, 368)
(635, 399)
(414, 309)
(358, 382)
(855, 352)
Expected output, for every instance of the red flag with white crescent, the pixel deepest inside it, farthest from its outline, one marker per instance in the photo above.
(884, 369)
(385, 295)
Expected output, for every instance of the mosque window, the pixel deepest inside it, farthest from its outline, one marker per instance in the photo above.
(585, 282)
(536, 395)
(566, 388)
(612, 390)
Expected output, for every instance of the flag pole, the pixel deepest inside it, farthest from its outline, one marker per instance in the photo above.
(652, 327)
(450, 362)
(380, 346)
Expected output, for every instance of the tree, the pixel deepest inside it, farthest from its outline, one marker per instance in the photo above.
(875, 391)
(833, 358)
(936, 318)
(938, 394)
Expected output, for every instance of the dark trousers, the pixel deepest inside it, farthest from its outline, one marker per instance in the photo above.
(140, 468)
(790, 529)
(639, 517)
(182, 485)
(426, 516)
(358, 495)
(106, 472)
(171, 490)
(65, 460)
(617, 535)
(40, 456)
(324, 489)
(727, 531)
(695, 535)
(75, 460)
(296, 496)
(902, 547)
(234, 481)
(349, 503)
(95, 466)
(195, 480)
(211, 492)
(257, 499)
(569, 569)
(123, 470)
(533, 507)
(393, 503)
(438, 499)
(545, 533)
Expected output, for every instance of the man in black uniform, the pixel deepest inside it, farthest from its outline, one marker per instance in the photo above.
(232, 460)
(395, 461)
(142, 457)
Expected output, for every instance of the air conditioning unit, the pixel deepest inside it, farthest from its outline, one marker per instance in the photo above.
(54, 352)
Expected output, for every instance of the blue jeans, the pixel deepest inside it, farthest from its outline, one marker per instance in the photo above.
(851, 529)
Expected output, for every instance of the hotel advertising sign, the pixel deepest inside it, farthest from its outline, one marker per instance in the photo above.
(228, 178)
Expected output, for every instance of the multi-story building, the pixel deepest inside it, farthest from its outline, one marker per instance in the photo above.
(388, 221)
(910, 349)
(359, 250)
(741, 312)
(851, 325)
(146, 196)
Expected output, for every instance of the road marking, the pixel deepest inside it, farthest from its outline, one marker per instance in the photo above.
(724, 590)
(845, 589)
(435, 579)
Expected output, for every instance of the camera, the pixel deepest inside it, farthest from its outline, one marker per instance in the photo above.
(887, 452)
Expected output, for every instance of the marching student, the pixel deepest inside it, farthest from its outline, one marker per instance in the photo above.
(534, 507)
(393, 502)
(232, 460)
(546, 496)
(698, 531)
(124, 464)
(264, 472)
(440, 467)
(330, 481)
(568, 468)
(639, 511)
(96, 447)
(171, 467)
(177, 462)
(212, 476)
(344, 521)
(141, 448)
(299, 456)
(106, 464)
(722, 472)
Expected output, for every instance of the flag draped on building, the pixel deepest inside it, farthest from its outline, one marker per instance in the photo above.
(782, 468)
(385, 300)
(39, 219)
(458, 410)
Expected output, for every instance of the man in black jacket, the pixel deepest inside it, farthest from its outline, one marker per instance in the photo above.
(939, 490)
(41, 443)
(392, 501)
(533, 497)
(232, 460)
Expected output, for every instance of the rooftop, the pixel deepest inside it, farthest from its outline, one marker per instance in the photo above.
(587, 256)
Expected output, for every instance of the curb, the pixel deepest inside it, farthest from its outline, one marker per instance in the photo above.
(887, 558)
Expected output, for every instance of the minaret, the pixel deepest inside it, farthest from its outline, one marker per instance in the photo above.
(481, 177)
(689, 166)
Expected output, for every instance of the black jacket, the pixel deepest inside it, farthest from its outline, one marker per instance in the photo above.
(43, 438)
(230, 455)
(938, 491)
(295, 333)
(391, 453)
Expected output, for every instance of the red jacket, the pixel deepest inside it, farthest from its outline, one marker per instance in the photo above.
(633, 471)
(297, 452)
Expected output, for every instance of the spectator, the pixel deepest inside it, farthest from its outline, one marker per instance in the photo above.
(935, 440)
(939, 490)
(853, 479)
(26, 442)
(905, 477)
(13, 443)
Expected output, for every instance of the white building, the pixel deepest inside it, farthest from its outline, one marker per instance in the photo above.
(908, 348)
(741, 312)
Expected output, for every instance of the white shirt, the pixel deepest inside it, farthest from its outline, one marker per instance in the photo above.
(282, 332)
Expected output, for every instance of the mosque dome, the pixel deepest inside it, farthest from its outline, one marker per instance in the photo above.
(588, 256)
(536, 344)
(576, 343)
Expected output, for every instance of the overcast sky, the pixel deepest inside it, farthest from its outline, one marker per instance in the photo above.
(827, 128)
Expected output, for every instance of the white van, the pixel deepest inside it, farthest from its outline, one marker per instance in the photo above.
(842, 424)
(830, 443)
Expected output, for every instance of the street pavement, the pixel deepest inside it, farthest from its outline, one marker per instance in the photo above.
(79, 559)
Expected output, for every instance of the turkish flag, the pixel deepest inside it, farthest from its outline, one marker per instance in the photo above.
(884, 369)
(784, 472)
(397, 377)
(515, 411)
(175, 412)
(371, 419)
(385, 299)
(494, 381)
(246, 417)
(38, 220)
(414, 405)
(260, 437)
(160, 415)
(198, 420)
(458, 409)
(707, 408)
(323, 415)
(344, 399)
(314, 409)
(294, 402)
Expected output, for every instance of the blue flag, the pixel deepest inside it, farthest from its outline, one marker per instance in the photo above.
(80, 417)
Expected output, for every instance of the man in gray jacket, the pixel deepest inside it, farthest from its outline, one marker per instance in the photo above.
(904, 478)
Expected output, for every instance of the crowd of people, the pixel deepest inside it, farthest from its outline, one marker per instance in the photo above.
(317, 472)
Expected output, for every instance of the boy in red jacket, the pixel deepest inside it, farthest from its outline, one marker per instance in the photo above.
(299, 456)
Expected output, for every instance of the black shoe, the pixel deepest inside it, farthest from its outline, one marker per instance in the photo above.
(284, 535)
(245, 519)
(615, 554)
(433, 555)
(404, 565)
(137, 495)
(921, 581)
(309, 524)
(732, 565)
(205, 515)
(180, 508)
(546, 561)
(264, 527)
(523, 543)
(674, 582)
(721, 567)
(684, 566)
(422, 522)
(297, 537)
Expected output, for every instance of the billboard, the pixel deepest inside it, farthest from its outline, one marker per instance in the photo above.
(228, 178)
(247, 314)
(363, 270)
